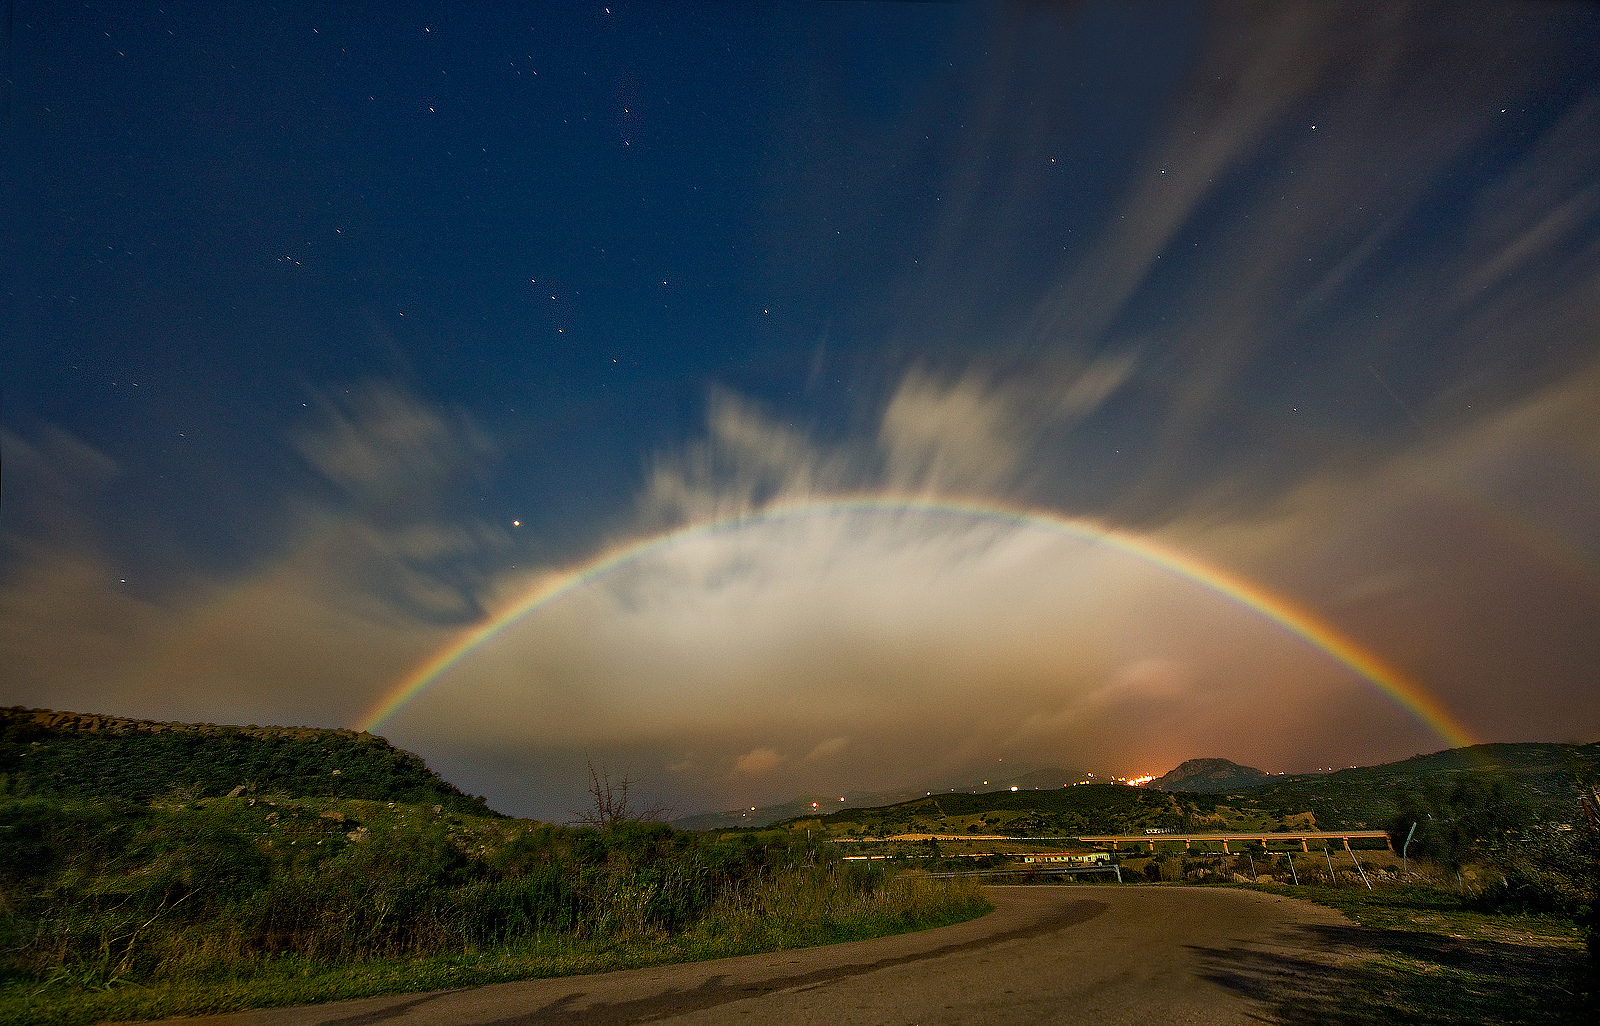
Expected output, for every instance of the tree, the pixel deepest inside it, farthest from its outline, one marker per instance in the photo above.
(1479, 816)
(610, 802)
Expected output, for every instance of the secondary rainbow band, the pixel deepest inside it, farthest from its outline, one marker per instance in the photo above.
(1408, 693)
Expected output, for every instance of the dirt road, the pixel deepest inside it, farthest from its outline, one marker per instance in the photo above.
(1081, 954)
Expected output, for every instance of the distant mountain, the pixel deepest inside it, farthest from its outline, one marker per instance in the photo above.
(65, 754)
(1209, 776)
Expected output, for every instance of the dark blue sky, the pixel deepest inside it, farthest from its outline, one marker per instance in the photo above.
(571, 219)
(395, 305)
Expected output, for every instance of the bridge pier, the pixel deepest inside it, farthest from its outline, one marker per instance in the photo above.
(1304, 846)
(1225, 850)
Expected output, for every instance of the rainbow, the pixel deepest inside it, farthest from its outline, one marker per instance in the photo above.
(1303, 623)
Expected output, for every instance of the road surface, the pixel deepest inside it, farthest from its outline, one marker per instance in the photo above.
(1047, 954)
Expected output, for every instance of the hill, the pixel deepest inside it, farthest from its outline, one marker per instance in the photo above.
(1062, 811)
(45, 753)
(970, 782)
(1208, 776)
(805, 805)
(1219, 795)
(1367, 795)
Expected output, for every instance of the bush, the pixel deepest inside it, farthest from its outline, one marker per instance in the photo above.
(1556, 869)
(214, 888)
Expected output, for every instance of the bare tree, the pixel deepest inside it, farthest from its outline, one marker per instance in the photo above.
(611, 802)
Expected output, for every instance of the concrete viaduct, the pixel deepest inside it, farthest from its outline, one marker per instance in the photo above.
(1304, 837)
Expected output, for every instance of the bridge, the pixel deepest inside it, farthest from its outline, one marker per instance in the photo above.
(1305, 837)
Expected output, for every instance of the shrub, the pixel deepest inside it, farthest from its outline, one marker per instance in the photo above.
(210, 888)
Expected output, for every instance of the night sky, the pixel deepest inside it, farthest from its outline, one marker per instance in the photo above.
(333, 333)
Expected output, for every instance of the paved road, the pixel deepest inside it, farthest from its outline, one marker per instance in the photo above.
(1084, 954)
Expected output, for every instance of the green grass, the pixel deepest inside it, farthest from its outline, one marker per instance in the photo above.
(1421, 957)
(1429, 910)
(783, 913)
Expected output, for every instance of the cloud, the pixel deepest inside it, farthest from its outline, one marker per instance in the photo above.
(52, 483)
(744, 462)
(1255, 68)
(953, 437)
(828, 749)
(1255, 360)
(911, 644)
(1255, 233)
(915, 644)
(1152, 678)
(976, 433)
(403, 549)
(757, 762)
(359, 571)
(381, 440)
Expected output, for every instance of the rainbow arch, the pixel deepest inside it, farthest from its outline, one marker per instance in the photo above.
(1403, 690)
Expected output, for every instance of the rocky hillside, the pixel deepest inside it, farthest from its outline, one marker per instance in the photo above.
(1209, 776)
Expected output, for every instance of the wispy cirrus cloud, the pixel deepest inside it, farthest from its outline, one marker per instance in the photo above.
(374, 566)
(1333, 331)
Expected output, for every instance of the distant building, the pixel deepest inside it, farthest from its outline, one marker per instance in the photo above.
(1092, 858)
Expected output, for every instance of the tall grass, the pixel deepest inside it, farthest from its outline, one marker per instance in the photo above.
(122, 911)
(819, 904)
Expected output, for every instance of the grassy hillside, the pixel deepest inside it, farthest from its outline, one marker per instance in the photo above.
(1046, 778)
(118, 910)
(1367, 796)
(1539, 776)
(44, 753)
(1083, 809)
(151, 869)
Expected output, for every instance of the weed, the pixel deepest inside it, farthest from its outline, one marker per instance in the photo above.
(120, 911)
